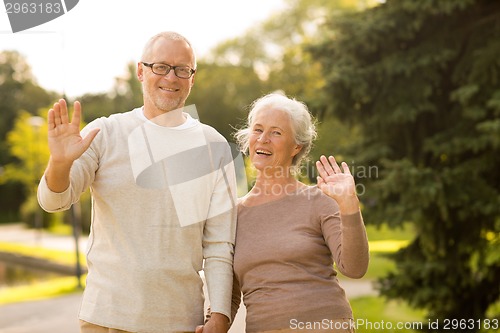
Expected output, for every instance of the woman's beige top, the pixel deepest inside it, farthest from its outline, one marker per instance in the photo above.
(284, 260)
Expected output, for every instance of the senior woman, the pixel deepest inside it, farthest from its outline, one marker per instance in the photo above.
(289, 234)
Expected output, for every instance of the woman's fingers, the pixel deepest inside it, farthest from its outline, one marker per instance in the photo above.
(334, 164)
(346, 168)
(321, 169)
(328, 166)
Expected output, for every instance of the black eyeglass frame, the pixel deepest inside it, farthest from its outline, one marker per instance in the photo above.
(170, 67)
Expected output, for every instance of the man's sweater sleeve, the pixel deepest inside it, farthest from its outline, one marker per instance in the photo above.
(51, 201)
(218, 241)
(81, 176)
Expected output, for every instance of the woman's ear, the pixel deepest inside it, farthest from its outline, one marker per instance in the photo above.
(297, 149)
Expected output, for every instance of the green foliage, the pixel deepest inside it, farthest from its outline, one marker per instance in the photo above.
(18, 91)
(17, 82)
(222, 94)
(28, 145)
(421, 78)
(340, 140)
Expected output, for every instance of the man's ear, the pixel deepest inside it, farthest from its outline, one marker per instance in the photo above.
(140, 72)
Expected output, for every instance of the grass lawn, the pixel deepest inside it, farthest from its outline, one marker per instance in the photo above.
(40, 289)
(59, 256)
(375, 314)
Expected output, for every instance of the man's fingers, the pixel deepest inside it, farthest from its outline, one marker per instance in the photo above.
(57, 113)
(50, 119)
(77, 113)
(64, 112)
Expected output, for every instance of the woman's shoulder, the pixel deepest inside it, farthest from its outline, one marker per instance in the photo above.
(317, 198)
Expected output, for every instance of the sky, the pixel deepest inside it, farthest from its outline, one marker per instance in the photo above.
(85, 49)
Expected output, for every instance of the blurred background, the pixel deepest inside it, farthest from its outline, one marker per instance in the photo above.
(406, 92)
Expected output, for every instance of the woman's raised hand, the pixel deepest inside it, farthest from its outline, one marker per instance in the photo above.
(338, 184)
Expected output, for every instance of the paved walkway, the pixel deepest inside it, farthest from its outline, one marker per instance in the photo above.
(59, 315)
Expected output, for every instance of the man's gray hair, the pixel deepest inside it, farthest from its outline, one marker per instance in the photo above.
(170, 35)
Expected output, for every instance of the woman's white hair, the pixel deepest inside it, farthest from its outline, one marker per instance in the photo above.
(303, 124)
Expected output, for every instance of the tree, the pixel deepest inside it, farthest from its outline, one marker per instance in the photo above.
(17, 82)
(127, 93)
(222, 93)
(31, 153)
(18, 91)
(422, 80)
(273, 47)
(271, 56)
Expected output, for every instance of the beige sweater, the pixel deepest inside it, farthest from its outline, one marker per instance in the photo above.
(284, 256)
(162, 208)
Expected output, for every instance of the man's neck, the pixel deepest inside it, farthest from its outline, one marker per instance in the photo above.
(172, 118)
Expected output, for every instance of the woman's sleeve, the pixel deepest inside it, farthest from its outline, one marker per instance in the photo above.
(346, 237)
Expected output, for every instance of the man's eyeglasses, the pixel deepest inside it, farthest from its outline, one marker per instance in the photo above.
(183, 72)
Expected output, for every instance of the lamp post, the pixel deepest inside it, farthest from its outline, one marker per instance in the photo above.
(36, 123)
(76, 224)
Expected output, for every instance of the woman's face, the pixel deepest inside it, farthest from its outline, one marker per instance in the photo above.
(272, 143)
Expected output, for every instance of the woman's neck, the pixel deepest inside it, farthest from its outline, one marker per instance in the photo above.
(275, 184)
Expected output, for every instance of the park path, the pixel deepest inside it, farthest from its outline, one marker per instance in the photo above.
(59, 314)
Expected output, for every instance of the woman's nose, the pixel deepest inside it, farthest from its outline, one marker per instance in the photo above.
(263, 138)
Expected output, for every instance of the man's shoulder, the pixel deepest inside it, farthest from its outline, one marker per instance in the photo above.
(212, 134)
(110, 123)
(117, 117)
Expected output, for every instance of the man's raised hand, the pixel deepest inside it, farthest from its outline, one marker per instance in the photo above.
(65, 142)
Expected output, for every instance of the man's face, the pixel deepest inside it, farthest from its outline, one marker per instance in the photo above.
(164, 93)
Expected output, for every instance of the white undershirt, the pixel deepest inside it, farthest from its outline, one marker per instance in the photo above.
(190, 121)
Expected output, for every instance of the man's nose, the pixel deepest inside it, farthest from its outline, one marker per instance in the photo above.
(170, 75)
